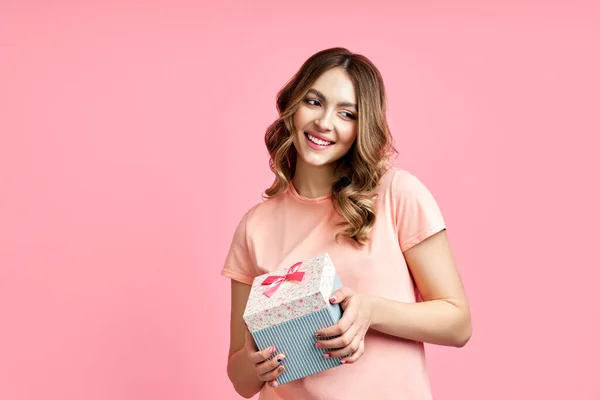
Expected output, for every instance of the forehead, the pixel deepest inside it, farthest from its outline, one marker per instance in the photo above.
(336, 86)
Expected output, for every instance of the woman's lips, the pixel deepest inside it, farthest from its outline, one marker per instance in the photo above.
(322, 145)
(319, 136)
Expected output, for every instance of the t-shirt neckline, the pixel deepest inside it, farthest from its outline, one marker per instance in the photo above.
(298, 196)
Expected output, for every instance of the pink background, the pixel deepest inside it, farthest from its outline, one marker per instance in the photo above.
(131, 142)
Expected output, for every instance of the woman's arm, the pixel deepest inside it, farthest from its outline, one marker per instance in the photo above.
(240, 369)
(443, 317)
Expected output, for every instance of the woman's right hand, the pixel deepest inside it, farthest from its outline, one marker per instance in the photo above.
(266, 370)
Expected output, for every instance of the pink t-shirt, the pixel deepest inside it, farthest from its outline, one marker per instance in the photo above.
(289, 228)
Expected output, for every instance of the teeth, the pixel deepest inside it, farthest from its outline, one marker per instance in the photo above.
(317, 141)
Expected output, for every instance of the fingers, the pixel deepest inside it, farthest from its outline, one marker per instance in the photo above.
(340, 295)
(348, 319)
(342, 340)
(344, 297)
(356, 355)
(348, 333)
(351, 348)
(272, 375)
(257, 357)
(268, 366)
(345, 345)
(267, 370)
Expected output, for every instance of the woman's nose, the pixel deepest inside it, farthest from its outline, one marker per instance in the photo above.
(324, 121)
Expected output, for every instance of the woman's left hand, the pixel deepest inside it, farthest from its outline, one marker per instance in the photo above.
(350, 329)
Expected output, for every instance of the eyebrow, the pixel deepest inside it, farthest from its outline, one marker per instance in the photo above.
(342, 104)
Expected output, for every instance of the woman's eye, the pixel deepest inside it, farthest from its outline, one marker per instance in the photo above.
(317, 103)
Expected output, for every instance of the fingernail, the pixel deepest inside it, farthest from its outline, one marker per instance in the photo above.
(327, 355)
(319, 345)
(281, 369)
(272, 350)
(274, 384)
(332, 299)
(342, 362)
(317, 334)
(280, 358)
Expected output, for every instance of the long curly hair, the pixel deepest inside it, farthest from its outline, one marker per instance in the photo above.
(358, 172)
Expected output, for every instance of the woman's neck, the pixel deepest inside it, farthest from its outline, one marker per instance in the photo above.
(311, 181)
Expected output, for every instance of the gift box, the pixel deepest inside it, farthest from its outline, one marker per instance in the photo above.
(287, 307)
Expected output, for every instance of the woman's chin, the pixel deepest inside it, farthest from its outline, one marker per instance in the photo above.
(313, 160)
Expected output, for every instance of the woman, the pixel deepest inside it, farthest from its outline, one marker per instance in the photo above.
(335, 192)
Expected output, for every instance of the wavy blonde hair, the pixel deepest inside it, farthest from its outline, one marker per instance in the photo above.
(358, 172)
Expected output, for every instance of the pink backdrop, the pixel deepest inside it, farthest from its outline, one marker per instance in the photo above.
(131, 144)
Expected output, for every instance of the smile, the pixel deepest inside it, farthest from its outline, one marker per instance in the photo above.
(317, 141)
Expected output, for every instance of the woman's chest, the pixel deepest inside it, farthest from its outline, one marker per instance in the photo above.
(378, 267)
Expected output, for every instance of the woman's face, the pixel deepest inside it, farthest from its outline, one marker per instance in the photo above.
(325, 123)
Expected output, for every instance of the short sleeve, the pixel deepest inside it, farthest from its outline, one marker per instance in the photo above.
(239, 264)
(418, 215)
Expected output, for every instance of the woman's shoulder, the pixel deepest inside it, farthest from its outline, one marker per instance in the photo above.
(394, 178)
(262, 209)
(401, 185)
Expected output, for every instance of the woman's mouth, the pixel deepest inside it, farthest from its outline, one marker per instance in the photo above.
(314, 141)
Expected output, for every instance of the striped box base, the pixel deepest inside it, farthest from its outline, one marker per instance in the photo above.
(296, 339)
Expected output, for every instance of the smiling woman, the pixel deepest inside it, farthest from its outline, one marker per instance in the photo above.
(335, 191)
(339, 98)
(315, 138)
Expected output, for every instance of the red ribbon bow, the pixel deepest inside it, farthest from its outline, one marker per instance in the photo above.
(275, 281)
